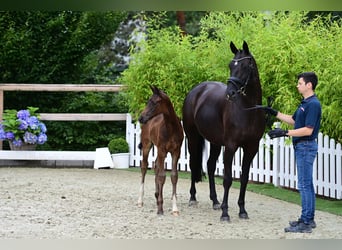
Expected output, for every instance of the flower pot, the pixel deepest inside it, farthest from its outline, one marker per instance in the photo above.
(25, 146)
(120, 160)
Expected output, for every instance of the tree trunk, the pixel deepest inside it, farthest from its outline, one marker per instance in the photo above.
(181, 21)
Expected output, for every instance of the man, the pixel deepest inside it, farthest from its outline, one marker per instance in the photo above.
(306, 121)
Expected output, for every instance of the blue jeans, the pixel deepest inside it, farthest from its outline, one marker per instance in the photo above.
(305, 153)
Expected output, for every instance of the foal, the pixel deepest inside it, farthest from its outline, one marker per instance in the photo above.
(160, 127)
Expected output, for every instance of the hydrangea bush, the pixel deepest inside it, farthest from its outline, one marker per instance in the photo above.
(22, 126)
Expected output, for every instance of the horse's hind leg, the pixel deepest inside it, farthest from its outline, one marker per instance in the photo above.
(195, 146)
(215, 151)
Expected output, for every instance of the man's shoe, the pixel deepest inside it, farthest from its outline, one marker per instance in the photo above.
(299, 228)
(296, 222)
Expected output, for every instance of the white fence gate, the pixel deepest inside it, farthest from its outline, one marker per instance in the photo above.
(274, 163)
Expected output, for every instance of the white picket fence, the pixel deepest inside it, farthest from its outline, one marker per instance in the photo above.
(274, 163)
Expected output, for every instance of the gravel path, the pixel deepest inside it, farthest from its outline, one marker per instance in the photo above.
(75, 203)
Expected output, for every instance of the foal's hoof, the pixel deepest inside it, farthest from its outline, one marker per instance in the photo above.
(175, 213)
(140, 204)
(243, 216)
(225, 218)
(160, 213)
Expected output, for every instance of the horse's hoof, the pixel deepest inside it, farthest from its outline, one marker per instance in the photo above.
(140, 204)
(160, 213)
(193, 203)
(216, 206)
(225, 218)
(175, 213)
(243, 216)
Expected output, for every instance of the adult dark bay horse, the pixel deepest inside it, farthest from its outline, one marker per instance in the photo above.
(161, 127)
(217, 112)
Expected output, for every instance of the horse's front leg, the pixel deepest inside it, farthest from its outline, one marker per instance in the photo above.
(211, 166)
(143, 169)
(227, 182)
(246, 162)
(160, 181)
(174, 180)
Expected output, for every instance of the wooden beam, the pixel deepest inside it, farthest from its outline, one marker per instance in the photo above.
(61, 87)
(47, 155)
(83, 117)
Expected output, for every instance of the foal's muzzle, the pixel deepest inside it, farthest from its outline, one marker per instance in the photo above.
(142, 119)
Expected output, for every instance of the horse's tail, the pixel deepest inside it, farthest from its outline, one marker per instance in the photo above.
(197, 170)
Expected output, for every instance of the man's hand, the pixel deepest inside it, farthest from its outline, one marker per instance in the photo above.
(270, 110)
(277, 133)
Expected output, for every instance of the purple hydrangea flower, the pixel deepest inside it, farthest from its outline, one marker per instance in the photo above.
(23, 125)
(30, 138)
(33, 122)
(42, 127)
(17, 143)
(10, 136)
(23, 114)
(2, 133)
(42, 138)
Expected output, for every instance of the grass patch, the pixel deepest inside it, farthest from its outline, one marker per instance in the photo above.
(322, 204)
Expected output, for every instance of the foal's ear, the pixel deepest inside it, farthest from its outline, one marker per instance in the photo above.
(233, 48)
(245, 47)
(155, 89)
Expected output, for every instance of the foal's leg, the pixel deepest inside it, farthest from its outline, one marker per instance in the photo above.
(215, 151)
(145, 151)
(160, 180)
(174, 179)
(246, 162)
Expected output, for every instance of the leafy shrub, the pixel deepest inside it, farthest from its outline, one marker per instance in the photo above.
(284, 44)
(118, 145)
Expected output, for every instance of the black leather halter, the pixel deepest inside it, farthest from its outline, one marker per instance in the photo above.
(239, 85)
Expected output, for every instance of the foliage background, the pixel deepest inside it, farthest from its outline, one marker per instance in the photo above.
(77, 47)
(284, 44)
(61, 47)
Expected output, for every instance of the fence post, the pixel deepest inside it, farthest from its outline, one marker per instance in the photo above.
(275, 161)
(338, 172)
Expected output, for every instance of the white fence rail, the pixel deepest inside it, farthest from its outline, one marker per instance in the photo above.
(274, 163)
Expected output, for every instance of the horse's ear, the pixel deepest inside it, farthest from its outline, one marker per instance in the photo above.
(233, 48)
(245, 47)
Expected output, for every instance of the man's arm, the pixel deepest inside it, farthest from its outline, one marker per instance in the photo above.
(304, 131)
(285, 118)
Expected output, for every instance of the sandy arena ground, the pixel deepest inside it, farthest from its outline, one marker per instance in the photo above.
(76, 203)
